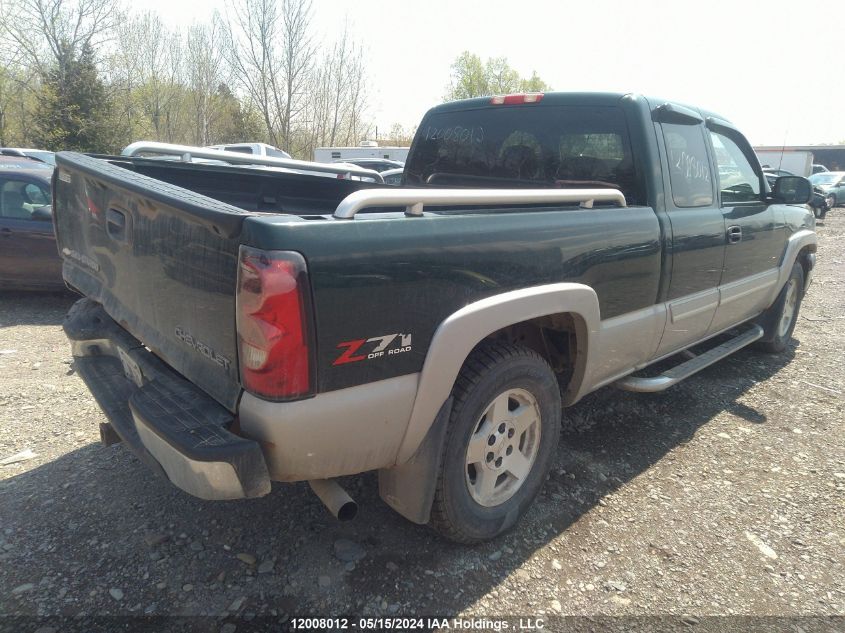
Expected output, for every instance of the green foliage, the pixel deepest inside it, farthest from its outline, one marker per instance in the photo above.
(237, 121)
(473, 78)
(74, 110)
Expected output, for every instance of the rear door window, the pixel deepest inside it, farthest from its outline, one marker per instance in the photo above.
(689, 166)
(526, 146)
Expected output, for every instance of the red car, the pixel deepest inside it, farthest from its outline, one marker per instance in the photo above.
(28, 256)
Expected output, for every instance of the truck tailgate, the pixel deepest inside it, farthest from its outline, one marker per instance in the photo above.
(162, 261)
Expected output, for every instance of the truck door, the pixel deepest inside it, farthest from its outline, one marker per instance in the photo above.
(28, 255)
(755, 235)
(696, 249)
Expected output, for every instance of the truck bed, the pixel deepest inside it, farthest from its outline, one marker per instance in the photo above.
(157, 245)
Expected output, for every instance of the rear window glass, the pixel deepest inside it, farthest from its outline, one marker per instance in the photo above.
(546, 146)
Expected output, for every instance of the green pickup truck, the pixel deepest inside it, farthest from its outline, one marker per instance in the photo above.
(248, 325)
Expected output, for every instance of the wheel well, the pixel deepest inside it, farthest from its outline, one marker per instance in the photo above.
(554, 337)
(804, 260)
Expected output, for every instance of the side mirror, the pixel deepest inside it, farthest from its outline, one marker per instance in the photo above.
(43, 214)
(792, 190)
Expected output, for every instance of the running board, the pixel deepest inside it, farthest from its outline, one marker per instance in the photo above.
(695, 364)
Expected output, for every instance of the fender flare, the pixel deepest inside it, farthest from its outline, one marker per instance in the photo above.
(797, 242)
(456, 337)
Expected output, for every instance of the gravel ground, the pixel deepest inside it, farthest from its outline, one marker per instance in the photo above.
(721, 496)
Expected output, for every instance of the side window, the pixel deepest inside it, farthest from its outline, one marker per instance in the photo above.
(738, 182)
(689, 168)
(37, 196)
(13, 202)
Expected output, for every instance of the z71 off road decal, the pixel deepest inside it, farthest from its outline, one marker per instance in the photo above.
(376, 347)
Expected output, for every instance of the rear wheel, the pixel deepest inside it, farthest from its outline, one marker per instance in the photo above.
(503, 432)
(782, 316)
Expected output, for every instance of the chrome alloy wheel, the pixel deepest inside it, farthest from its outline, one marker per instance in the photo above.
(789, 306)
(503, 447)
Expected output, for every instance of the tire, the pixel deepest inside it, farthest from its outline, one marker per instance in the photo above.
(830, 199)
(494, 463)
(782, 316)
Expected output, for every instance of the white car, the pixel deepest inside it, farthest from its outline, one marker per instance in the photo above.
(393, 176)
(256, 149)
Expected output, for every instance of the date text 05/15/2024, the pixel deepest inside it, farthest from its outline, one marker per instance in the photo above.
(422, 624)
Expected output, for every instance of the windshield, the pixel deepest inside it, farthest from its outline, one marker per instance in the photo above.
(546, 146)
(277, 153)
(826, 178)
(23, 164)
(47, 157)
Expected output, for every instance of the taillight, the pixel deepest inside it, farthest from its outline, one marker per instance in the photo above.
(274, 337)
(514, 99)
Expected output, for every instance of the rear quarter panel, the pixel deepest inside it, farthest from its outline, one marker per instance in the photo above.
(379, 276)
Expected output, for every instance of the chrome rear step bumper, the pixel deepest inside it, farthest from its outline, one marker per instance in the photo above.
(171, 425)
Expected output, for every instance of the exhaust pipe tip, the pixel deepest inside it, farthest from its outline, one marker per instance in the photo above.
(335, 498)
(347, 511)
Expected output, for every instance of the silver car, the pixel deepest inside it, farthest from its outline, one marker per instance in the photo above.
(832, 185)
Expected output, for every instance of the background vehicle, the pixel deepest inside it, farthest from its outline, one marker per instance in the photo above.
(28, 255)
(393, 176)
(38, 154)
(770, 172)
(545, 246)
(832, 186)
(378, 164)
(257, 149)
(367, 149)
(817, 169)
(797, 162)
(168, 152)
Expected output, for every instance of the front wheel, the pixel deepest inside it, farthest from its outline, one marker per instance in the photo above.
(503, 432)
(782, 316)
(830, 200)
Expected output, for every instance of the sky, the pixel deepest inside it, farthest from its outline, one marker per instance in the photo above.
(769, 67)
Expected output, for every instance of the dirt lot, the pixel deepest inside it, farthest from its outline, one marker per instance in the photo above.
(725, 495)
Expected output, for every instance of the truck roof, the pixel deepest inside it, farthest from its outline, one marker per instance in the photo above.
(575, 98)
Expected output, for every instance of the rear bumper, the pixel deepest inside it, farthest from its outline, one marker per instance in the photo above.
(170, 424)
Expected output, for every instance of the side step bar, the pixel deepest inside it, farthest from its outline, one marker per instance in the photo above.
(695, 364)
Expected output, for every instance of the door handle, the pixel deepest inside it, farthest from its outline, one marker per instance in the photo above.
(6, 232)
(116, 224)
(734, 234)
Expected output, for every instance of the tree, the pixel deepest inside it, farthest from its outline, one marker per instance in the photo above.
(206, 71)
(15, 102)
(254, 76)
(147, 73)
(238, 121)
(469, 78)
(74, 110)
(399, 135)
(271, 51)
(473, 78)
(52, 33)
(297, 64)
